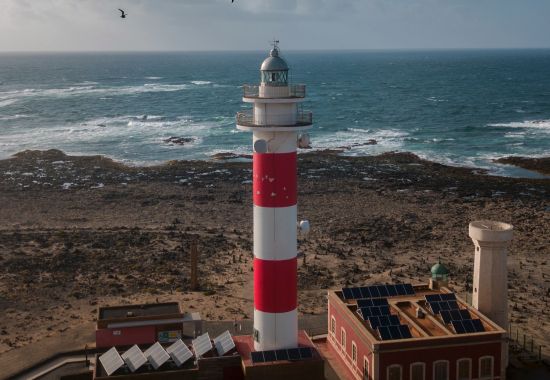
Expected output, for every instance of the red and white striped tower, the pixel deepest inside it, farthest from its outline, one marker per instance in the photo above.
(275, 121)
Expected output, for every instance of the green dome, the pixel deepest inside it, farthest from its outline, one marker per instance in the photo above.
(439, 270)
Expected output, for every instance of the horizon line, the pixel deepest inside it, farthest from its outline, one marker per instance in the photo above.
(262, 50)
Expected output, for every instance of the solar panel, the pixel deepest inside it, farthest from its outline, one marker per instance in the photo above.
(156, 355)
(453, 305)
(269, 356)
(281, 354)
(201, 345)
(306, 353)
(400, 289)
(179, 352)
(134, 358)
(257, 357)
(356, 293)
(446, 316)
(459, 327)
(384, 333)
(478, 326)
(224, 343)
(111, 361)
(405, 331)
(465, 314)
(448, 297)
(347, 293)
(365, 292)
(394, 332)
(383, 290)
(374, 292)
(392, 290)
(293, 354)
(433, 298)
(372, 302)
(409, 290)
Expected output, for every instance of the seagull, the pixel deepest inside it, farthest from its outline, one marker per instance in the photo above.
(122, 15)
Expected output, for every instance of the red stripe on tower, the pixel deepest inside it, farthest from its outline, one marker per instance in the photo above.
(275, 179)
(275, 288)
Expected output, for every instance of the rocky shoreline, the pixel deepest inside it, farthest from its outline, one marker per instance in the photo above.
(79, 232)
(540, 165)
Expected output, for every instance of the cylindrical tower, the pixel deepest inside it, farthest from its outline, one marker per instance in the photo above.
(275, 122)
(490, 288)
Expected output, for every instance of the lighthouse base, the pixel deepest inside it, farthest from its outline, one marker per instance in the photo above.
(311, 368)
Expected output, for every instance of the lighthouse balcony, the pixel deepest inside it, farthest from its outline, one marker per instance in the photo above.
(249, 120)
(274, 92)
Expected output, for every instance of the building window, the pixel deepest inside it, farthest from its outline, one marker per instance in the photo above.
(464, 369)
(394, 372)
(333, 325)
(354, 352)
(365, 368)
(418, 371)
(486, 368)
(343, 338)
(441, 370)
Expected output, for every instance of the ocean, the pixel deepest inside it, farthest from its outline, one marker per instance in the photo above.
(463, 108)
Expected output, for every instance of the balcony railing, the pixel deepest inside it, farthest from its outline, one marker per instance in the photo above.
(294, 91)
(247, 119)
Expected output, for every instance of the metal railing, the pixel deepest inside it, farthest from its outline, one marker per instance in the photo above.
(294, 91)
(247, 119)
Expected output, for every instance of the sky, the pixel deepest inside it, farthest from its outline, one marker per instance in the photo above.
(189, 25)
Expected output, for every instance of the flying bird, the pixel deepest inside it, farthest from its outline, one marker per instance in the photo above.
(122, 13)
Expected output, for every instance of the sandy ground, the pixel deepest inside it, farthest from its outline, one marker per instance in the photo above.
(77, 233)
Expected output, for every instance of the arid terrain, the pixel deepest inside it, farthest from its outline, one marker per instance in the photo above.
(80, 232)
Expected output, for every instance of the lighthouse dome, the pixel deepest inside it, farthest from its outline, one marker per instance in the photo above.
(274, 62)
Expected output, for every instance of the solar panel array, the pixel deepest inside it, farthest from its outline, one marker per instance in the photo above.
(201, 345)
(447, 307)
(377, 313)
(224, 343)
(179, 352)
(377, 291)
(284, 354)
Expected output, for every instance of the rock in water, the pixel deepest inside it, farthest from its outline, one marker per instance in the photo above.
(178, 140)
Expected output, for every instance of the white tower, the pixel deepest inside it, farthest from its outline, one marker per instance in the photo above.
(490, 292)
(275, 122)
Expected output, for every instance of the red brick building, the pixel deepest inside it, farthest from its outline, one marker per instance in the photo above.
(409, 337)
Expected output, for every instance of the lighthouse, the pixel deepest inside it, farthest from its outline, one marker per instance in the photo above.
(277, 122)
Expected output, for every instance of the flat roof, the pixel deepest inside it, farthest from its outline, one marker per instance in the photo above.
(143, 310)
(426, 325)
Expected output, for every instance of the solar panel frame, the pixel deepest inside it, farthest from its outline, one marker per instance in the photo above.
(201, 345)
(111, 361)
(134, 358)
(224, 343)
(179, 352)
(156, 355)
